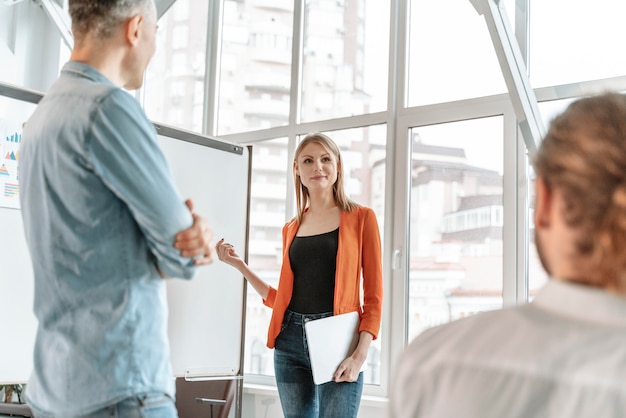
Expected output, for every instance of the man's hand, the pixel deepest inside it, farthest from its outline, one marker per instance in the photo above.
(196, 241)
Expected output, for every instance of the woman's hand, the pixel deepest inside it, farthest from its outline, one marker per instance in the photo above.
(348, 370)
(226, 253)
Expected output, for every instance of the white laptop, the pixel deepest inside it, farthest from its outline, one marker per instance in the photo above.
(330, 341)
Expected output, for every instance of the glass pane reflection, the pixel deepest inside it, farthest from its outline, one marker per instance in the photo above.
(456, 219)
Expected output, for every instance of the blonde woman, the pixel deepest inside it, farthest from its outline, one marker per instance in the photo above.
(330, 248)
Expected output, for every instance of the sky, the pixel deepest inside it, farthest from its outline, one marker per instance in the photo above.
(452, 57)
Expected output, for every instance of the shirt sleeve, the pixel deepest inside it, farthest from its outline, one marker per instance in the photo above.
(126, 155)
(372, 274)
(273, 292)
(407, 387)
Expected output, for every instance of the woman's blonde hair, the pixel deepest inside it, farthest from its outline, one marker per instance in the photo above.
(302, 193)
(584, 156)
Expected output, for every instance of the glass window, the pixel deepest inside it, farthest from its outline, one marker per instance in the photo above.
(270, 169)
(256, 65)
(573, 42)
(171, 93)
(451, 55)
(455, 231)
(550, 109)
(182, 11)
(180, 36)
(345, 61)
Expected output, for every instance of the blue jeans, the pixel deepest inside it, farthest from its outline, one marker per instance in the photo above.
(148, 405)
(299, 396)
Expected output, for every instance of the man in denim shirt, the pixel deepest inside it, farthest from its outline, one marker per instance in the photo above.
(104, 224)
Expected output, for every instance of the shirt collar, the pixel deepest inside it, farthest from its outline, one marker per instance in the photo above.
(81, 69)
(585, 303)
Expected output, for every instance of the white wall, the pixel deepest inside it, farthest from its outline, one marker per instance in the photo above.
(29, 46)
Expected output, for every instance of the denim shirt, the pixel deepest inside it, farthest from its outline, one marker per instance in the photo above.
(100, 214)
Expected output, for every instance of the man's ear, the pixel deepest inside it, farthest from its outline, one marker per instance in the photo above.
(134, 26)
(543, 203)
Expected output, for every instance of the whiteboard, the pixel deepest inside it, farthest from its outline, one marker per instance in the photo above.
(206, 314)
(17, 320)
(18, 323)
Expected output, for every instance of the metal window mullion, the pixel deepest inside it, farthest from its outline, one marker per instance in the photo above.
(513, 212)
(295, 100)
(61, 20)
(398, 186)
(523, 222)
(163, 6)
(522, 30)
(513, 69)
(213, 60)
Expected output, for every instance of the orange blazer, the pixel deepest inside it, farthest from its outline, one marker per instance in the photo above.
(358, 251)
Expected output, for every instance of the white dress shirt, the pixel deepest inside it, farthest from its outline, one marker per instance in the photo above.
(561, 356)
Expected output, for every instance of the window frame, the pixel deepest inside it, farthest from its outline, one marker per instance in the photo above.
(399, 119)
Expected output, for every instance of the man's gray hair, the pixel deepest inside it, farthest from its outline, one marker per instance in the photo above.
(101, 17)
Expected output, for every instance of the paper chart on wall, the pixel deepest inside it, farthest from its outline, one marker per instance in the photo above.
(10, 141)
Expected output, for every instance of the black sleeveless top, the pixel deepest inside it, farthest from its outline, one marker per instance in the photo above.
(313, 261)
